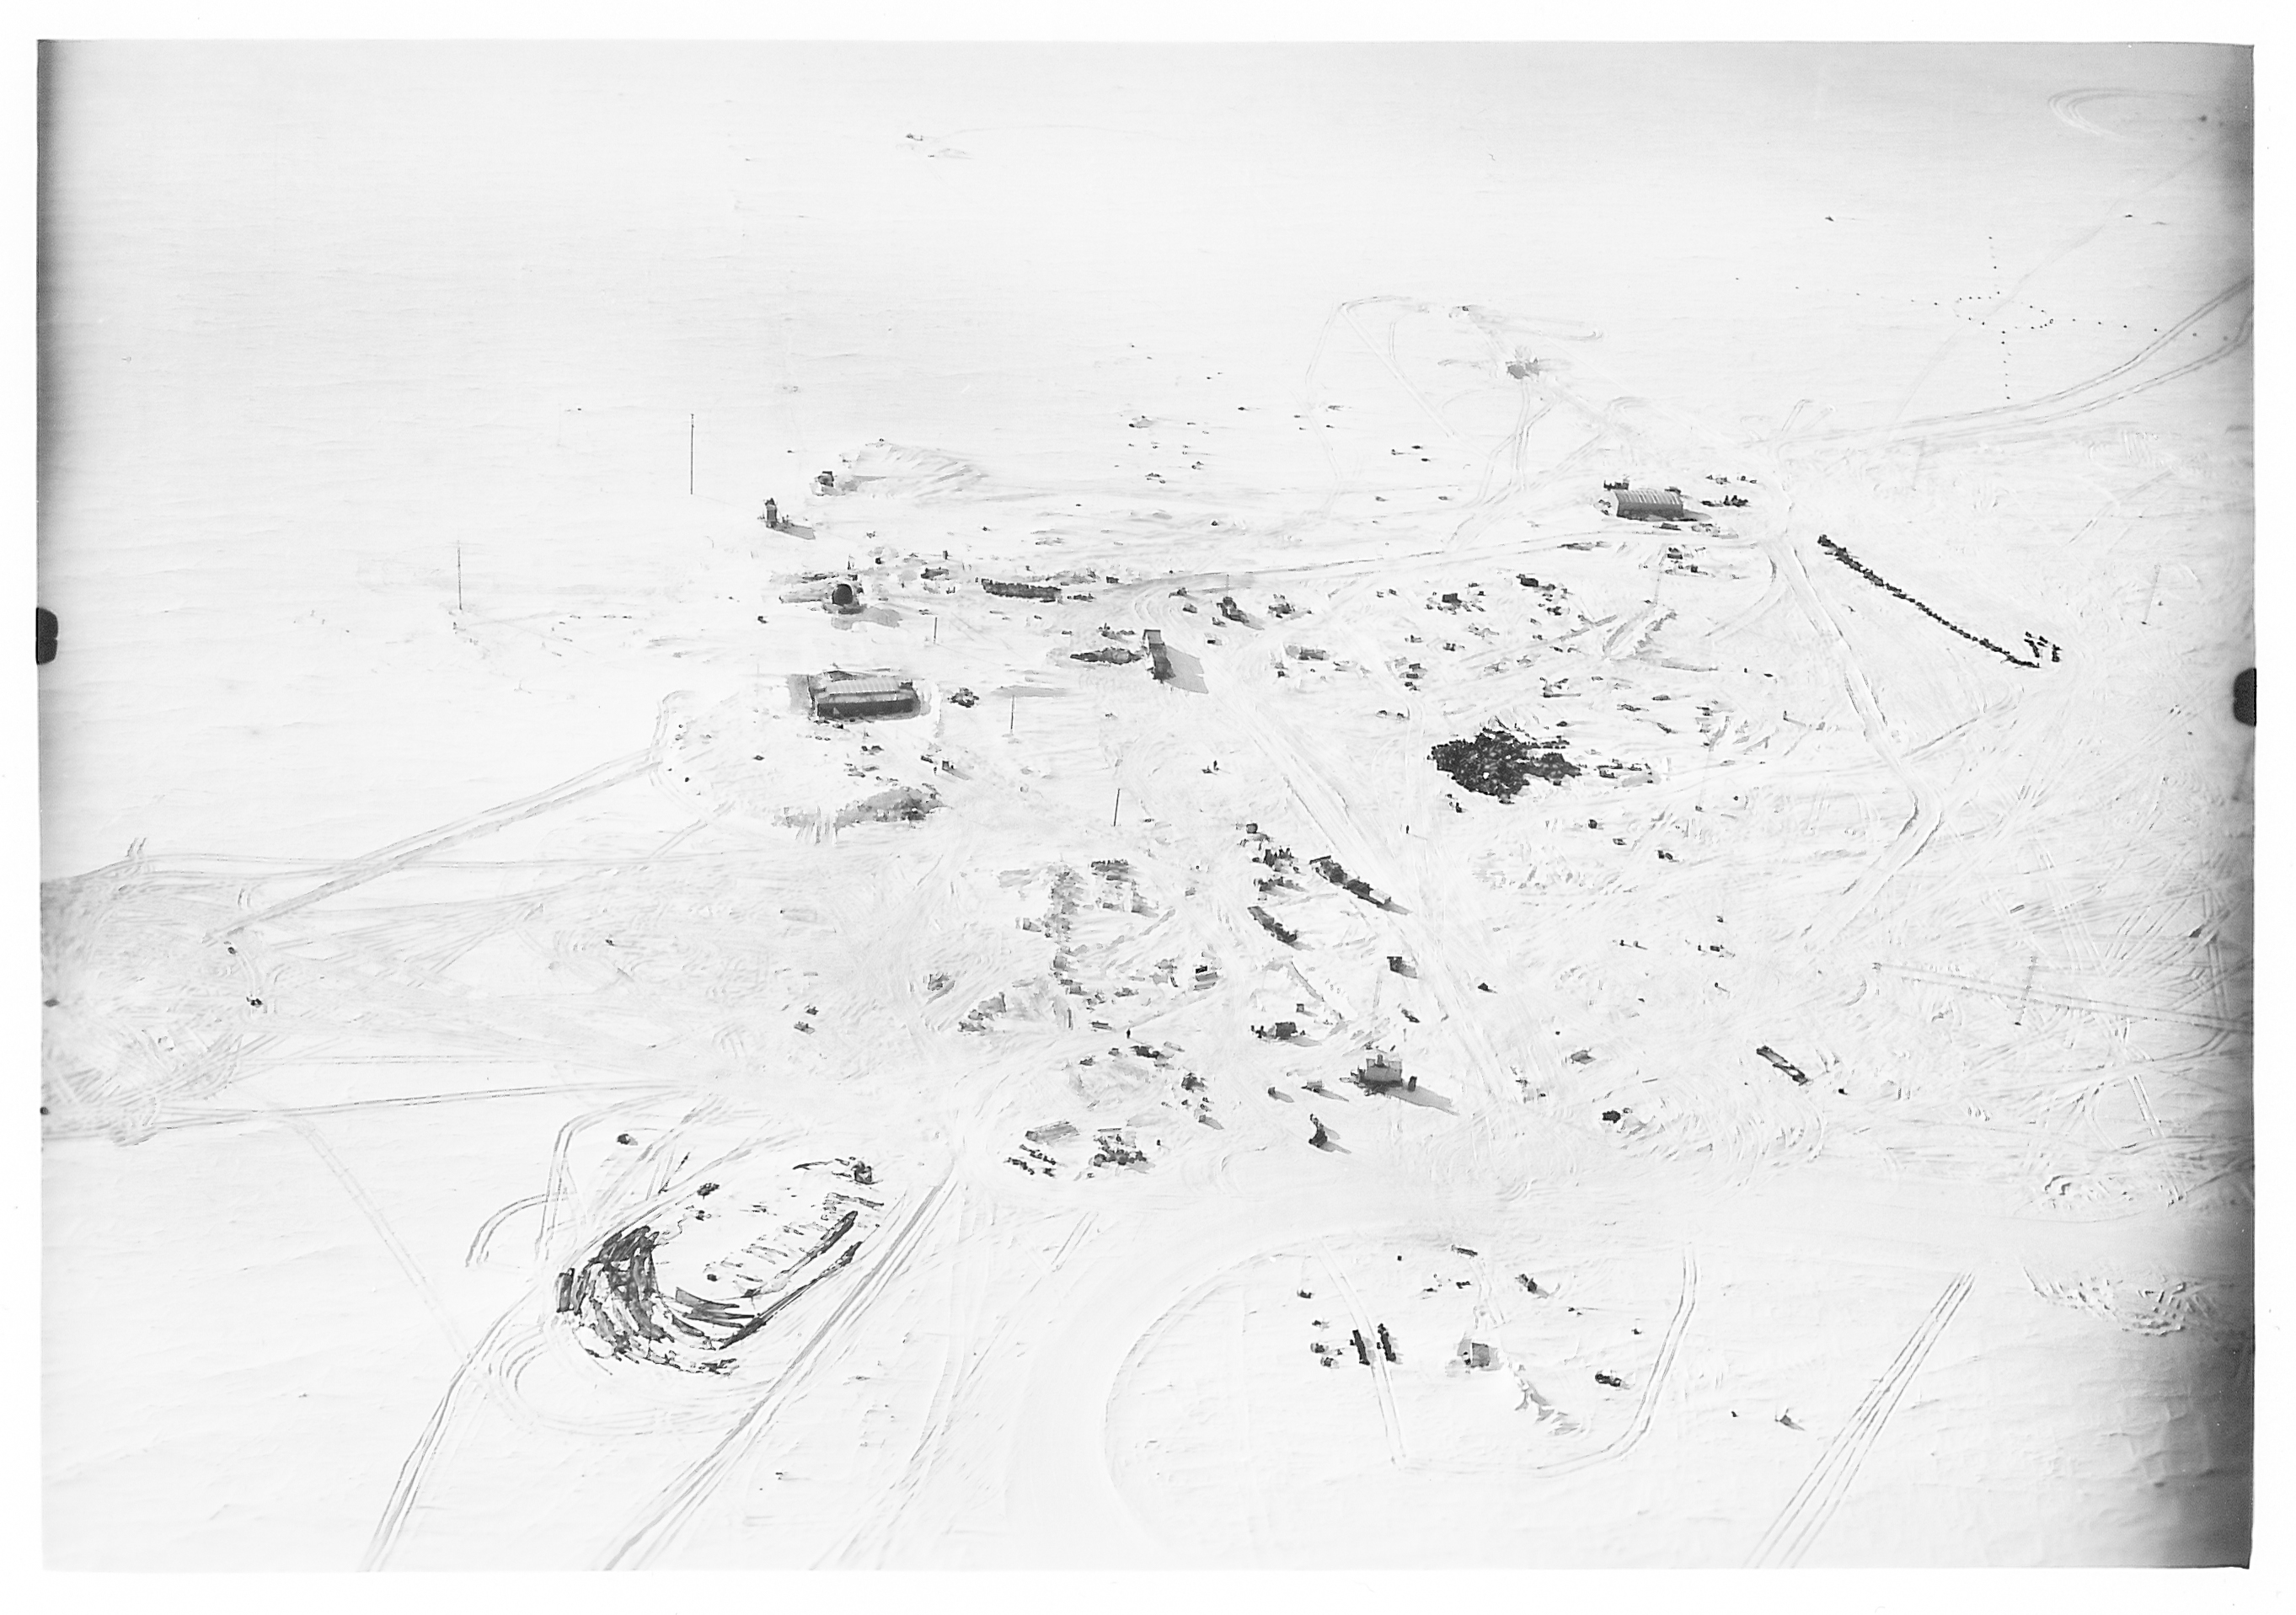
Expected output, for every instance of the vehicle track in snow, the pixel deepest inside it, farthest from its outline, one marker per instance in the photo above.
(1927, 812)
(1390, 1419)
(1806, 1512)
(1660, 1378)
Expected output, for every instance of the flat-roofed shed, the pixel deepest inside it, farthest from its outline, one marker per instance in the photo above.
(844, 698)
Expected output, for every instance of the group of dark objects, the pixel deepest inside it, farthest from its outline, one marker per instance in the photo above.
(1363, 1345)
(824, 482)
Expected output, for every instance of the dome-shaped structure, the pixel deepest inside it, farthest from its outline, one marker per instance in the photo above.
(1649, 504)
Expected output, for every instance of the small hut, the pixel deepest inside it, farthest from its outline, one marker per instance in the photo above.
(1649, 504)
(1382, 1074)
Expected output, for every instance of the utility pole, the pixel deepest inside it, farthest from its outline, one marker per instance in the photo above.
(458, 577)
(1117, 808)
(689, 452)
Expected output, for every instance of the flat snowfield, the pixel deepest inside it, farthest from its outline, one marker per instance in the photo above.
(1373, 1003)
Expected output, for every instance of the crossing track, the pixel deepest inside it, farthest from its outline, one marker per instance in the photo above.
(1806, 1512)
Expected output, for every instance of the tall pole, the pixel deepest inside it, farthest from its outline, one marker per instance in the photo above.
(458, 577)
(1117, 808)
(689, 452)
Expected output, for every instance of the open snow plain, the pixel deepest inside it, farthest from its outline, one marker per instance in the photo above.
(533, 1097)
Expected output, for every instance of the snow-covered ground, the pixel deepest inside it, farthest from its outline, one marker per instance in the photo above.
(1829, 1135)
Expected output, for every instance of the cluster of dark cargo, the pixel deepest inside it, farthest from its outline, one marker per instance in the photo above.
(1330, 868)
(1274, 927)
(1038, 1161)
(1278, 859)
(1783, 1064)
(1498, 762)
(1328, 1356)
(1112, 1148)
(1883, 584)
(1021, 591)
